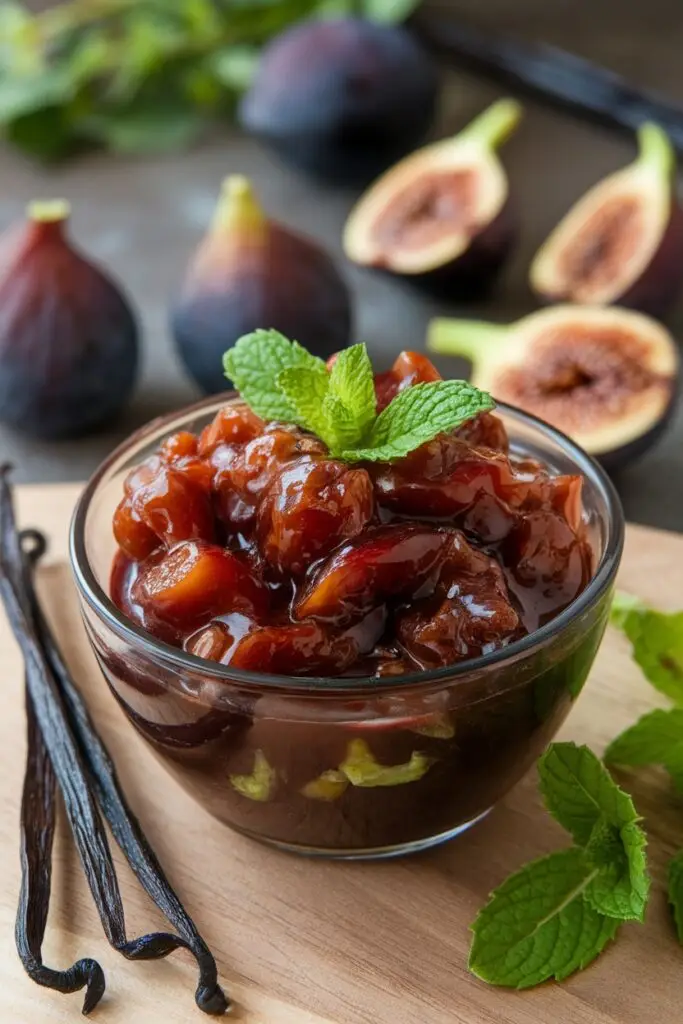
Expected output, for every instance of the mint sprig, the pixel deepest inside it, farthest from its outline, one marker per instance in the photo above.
(555, 915)
(280, 380)
(657, 641)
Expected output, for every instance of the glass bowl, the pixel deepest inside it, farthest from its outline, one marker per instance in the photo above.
(285, 760)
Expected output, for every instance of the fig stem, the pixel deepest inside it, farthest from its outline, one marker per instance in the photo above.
(656, 151)
(238, 208)
(472, 339)
(48, 211)
(494, 125)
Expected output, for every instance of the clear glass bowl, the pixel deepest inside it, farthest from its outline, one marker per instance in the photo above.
(263, 753)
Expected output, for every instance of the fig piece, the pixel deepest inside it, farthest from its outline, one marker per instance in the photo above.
(622, 242)
(342, 99)
(249, 271)
(68, 337)
(397, 561)
(606, 377)
(442, 215)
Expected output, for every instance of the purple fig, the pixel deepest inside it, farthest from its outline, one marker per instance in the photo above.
(250, 272)
(622, 242)
(442, 215)
(68, 337)
(342, 98)
(606, 377)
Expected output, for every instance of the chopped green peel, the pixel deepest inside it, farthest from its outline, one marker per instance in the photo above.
(439, 727)
(361, 768)
(258, 786)
(329, 786)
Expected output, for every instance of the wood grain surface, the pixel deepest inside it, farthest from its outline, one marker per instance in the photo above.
(308, 942)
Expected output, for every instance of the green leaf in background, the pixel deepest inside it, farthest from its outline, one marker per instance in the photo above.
(579, 792)
(253, 365)
(656, 738)
(622, 885)
(153, 127)
(676, 892)
(235, 66)
(418, 414)
(537, 925)
(657, 640)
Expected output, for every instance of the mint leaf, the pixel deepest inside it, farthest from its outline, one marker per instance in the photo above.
(622, 885)
(418, 414)
(676, 892)
(656, 738)
(657, 640)
(305, 388)
(352, 382)
(579, 792)
(538, 926)
(341, 426)
(253, 365)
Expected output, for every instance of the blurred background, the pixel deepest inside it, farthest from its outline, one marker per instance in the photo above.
(142, 216)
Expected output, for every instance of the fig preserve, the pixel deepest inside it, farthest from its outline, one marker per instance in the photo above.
(339, 657)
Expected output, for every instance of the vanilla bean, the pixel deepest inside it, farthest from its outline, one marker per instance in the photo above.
(37, 834)
(122, 821)
(67, 763)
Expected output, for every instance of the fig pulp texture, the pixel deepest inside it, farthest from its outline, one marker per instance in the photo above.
(249, 271)
(68, 338)
(606, 377)
(441, 215)
(622, 243)
(342, 99)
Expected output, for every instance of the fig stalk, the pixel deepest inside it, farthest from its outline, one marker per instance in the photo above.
(493, 126)
(238, 209)
(471, 339)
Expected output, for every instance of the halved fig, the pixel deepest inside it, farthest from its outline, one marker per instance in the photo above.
(622, 242)
(442, 214)
(606, 377)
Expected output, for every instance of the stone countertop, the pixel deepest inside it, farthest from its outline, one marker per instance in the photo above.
(143, 217)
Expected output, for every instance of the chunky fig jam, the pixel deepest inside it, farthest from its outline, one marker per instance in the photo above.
(251, 547)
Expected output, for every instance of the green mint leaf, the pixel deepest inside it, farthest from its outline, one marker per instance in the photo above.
(676, 892)
(253, 365)
(656, 738)
(352, 382)
(418, 414)
(538, 926)
(579, 792)
(341, 426)
(657, 640)
(622, 885)
(305, 388)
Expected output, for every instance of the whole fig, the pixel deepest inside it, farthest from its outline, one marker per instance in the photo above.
(250, 272)
(342, 99)
(68, 338)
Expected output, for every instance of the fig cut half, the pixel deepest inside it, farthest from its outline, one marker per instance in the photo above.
(441, 204)
(622, 242)
(606, 377)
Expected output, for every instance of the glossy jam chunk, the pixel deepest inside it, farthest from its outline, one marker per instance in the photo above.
(250, 546)
(312, 506)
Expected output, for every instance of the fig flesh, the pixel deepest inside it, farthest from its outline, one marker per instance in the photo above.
(442, 215)
(342, 99)
(606, 377)
(622, 242)
(68, 337)
(249, 271)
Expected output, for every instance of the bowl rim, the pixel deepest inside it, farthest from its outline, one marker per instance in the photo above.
(100, 602)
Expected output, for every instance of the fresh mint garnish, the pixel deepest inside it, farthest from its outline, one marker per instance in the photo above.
(538, 926)
(555, 915)
(657, 641)
(656, 738)
(280, 380)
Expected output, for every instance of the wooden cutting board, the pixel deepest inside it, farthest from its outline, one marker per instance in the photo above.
(309, 942)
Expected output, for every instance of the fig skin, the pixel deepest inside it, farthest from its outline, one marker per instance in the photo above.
(607, 377)
(250, 271)
(68, 337)
(655, 279)
(442, 217)
(342, 99)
